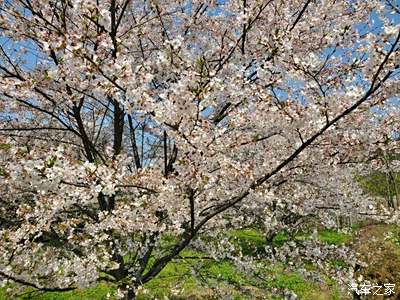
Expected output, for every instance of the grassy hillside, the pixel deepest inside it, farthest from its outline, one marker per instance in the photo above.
(194, 275)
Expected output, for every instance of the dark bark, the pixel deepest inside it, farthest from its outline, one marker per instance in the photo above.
(300, 15)
(85, 139)
(129, 292)
(34, 285)
(269, 238)
(118, 127)
(134, 144)
(165, 154)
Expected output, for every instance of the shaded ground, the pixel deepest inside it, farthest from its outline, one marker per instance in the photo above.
(379, 247)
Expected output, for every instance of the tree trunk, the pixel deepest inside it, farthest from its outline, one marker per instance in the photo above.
(129, 292)
(269, 241)
(396, 196)
(395, 201)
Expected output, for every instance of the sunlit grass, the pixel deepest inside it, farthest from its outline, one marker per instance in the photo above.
(194, 275)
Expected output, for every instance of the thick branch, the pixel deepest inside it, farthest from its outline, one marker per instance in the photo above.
(26, 283)
(300, 15)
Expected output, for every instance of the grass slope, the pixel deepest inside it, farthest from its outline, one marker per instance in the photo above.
(201, 278)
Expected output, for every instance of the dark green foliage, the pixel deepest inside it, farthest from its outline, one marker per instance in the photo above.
(380, 184)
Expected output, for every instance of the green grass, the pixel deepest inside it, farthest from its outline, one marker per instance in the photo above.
(325, 235)
(178, 280)
(280, 239)
(338, 263)
(5, 146)
(168, 241)
(98, 292)
(251, 241)
(278, 276)
(178, 275)
(225, 271)
(309, 266)
(333, 237)
(290, 281)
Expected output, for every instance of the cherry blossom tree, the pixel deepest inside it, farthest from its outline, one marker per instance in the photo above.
(124, 121)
